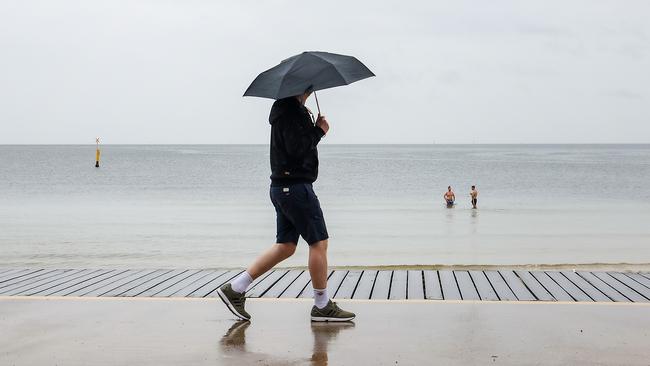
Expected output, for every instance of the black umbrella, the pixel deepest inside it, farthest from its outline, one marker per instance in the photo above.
(308, 71)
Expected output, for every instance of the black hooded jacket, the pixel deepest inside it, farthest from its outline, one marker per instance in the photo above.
(294, 157)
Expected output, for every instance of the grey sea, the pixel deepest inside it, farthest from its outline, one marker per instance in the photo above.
(205, 206)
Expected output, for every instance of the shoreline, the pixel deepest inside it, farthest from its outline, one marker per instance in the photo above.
(620, 267)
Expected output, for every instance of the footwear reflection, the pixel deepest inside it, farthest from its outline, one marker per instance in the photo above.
(323, 334)
(235, 338)
(233, 343)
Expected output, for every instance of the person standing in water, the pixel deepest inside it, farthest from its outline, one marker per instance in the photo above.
(294, 167)
(449, 197)
(473, 193)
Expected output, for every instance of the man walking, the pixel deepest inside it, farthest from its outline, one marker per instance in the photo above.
(473, 193)
(449, 197)
(294, 167)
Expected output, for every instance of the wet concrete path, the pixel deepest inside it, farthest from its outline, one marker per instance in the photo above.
(186, 331)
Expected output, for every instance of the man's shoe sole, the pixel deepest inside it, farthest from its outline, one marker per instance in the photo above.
(230, 307)
(328, 319)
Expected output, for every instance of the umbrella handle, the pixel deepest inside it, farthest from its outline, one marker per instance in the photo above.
(317, 106)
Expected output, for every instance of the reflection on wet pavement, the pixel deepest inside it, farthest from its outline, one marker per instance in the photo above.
(235, 338)
(323, 334)
(233, 343)
(159, 332)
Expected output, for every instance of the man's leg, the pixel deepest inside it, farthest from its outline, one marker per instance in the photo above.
(270, 258)
(318, 272)
(267, 260)
(324, 310)
(318, 264)
(232, 294)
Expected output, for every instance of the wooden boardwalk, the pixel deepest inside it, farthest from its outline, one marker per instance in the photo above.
(501, 285)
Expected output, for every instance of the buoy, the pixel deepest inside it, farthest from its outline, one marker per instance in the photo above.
(97, 153)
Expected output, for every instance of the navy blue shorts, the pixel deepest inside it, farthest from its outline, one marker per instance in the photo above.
(298, 214)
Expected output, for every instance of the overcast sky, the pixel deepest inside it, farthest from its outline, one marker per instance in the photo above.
(447, 71)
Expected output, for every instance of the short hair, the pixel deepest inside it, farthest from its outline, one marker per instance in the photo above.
(448, 187)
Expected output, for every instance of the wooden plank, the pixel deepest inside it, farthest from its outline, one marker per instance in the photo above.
(334, 281)
(518, 287)
(552, 287)
(503, 291)
(143, 286)
(432, 287)
(276, 290)
(258, 280)
(164, 282)
(483, 286)
(37, 281)
(27, 289)
(32, 277)
(398, 285)
(415, 289)
(449, 285)
(263, 286)
(108, 284)
(126, 286)
(8, 276)
(569, 287)
(295, 289)
(87, 284)
(196, 276)
(466, 286)
(14, 276)
(70, 276)
(365, 284)
(308, 291)
(618, 286)
(210, 289)
(382, 285)
(603, 287)
(532, 285)
(640, 279)
(10, 271)
(637, 287)
(585, 286)
(349, 284)
(67, 283)
(198, 284)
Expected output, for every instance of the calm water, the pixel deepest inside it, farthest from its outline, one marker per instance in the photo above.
(208, 206)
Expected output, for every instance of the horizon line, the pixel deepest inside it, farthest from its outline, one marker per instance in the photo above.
(336, 144)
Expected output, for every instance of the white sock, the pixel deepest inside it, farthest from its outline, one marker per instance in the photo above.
(320, 298)
(241, 283)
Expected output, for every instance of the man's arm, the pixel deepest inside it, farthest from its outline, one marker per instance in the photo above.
(300, 137)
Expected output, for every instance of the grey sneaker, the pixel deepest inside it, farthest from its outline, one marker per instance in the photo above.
(234, 301)
(330, 313)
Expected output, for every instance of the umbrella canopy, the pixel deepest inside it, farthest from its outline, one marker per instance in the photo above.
(307, 71)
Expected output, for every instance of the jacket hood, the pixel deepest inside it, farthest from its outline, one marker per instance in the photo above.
(282, 107)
